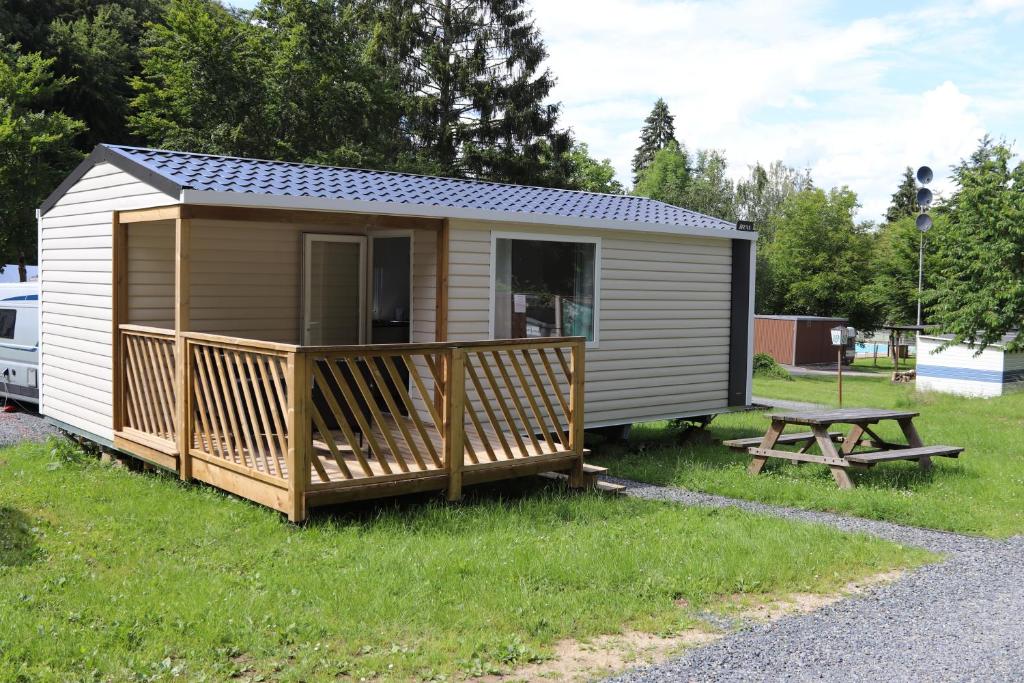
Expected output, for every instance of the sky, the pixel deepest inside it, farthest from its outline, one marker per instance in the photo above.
(853, 91)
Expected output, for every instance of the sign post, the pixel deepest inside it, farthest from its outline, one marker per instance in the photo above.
(840, 336)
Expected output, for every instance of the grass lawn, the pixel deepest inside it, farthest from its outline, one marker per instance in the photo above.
(111, 575)
(883, 366)
(980, 493)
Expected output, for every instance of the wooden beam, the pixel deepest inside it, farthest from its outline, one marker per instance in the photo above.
(182, 315)
(332, 218)
(455, 422)
(300, 437)
(159, 213)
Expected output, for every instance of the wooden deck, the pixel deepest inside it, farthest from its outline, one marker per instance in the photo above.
(353, 422)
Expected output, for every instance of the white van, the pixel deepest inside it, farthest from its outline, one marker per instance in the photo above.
(19, 341)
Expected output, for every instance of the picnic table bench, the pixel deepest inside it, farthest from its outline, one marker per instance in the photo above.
(846, 456)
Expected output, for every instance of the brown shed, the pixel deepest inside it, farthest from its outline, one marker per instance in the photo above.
(795, 339)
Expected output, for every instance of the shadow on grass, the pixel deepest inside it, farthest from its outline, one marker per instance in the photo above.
(17, 542)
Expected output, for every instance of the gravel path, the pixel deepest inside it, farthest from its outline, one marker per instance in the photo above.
(958, 620)
(23, 426)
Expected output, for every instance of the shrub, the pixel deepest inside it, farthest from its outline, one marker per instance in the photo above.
(766, 366)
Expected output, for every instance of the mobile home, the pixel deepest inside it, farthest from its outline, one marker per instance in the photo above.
(302, 334)
(962, 369)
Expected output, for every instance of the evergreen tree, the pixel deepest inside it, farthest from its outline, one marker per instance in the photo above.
(36, 147)
(659, 130)
(904, 199)
(475, 89)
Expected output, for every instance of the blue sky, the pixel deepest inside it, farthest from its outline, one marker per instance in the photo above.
(854, 91)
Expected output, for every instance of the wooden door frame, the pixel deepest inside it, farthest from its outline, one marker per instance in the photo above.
(307, 250)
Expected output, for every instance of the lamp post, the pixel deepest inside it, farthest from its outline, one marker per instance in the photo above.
(924, 223)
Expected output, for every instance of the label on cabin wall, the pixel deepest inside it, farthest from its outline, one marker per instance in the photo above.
(519, 303)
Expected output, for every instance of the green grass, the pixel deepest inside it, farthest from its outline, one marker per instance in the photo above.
(111, 575)
(980, 493)
(883, 365)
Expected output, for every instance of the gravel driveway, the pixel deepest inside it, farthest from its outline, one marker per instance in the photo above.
(958, 620)
(23, 426)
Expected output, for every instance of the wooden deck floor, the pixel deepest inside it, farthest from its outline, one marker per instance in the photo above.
(479, 451)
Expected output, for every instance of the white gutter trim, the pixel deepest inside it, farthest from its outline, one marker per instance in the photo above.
(210, 198)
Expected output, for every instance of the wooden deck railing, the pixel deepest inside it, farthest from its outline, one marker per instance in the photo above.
(148, 407)
(287, 425)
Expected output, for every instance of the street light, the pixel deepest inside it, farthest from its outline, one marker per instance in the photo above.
(924, 224)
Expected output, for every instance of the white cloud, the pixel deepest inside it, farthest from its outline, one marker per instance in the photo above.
(772, 79)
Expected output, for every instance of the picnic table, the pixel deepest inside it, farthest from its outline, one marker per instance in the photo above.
(860, 447)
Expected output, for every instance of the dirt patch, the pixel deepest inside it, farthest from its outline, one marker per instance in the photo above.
(573, 660)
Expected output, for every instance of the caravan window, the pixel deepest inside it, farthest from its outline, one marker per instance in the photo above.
(7, 317)
(545, 288)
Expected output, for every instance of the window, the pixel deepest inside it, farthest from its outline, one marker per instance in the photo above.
(7, 318)
(545, 288)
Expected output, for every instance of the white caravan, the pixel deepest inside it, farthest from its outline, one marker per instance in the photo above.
(19, 342)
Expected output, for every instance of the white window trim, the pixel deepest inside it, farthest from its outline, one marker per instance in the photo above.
(384, 234)
(546, 237)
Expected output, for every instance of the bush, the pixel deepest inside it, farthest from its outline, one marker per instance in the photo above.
(766, 366)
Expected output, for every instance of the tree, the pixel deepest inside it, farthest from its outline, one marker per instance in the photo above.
(759, 197)
(667, 179)
(820, 259)
(710, 191)
(36, 147)
(289, 81)
(978, 293)
(657, 133)
(893, 289)
(904, 199)
(475, 88)
(592, 175)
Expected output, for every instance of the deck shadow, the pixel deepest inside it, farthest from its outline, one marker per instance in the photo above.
(18, 546)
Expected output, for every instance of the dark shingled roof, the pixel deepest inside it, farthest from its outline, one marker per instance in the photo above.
(252, 176)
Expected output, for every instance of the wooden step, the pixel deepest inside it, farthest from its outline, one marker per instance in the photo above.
(594, 469)
(784, 440)
(608, 487)
(905, 454)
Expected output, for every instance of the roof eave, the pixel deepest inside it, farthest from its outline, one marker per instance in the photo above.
(104, 154)
(212, 198)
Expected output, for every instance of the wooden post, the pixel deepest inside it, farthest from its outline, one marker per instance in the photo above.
(454, 420)
(182, 321)
(119, 307)
(839, 368)
(577, 369)
(300, 437)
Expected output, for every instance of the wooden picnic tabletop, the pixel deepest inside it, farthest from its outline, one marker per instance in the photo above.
(827, 417)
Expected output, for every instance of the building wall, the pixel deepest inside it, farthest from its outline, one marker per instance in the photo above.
(957, 370)
(776, 338)
(75, 241)
(814, 341)
(247, 278)
(663, 346)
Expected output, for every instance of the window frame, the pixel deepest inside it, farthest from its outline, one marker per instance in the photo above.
(14, 326)
(545, 237)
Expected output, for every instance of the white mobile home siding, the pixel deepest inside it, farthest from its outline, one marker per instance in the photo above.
(959, 369)
(75, 299)
(663, 328)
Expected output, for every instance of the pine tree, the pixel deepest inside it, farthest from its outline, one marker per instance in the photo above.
(904, 200)
(658, 131)
(476, 88)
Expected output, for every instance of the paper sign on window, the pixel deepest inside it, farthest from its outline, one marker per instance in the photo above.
(519, 303)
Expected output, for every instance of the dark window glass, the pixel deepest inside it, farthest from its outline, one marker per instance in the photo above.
(7, 317)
